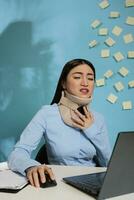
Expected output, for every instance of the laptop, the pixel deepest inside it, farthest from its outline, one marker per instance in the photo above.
(119, 177)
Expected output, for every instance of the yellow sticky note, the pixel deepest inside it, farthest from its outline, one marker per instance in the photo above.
(128, 38)
(114, 14)
(110, 42)
(105, 53)
(131, 84)
(127, 105)
(108, 74)
(92, 43)
(100, 82)
(123, 71)
(130, 20)
(96, 23)
(103, 31)
(117, 30)
(104, 4)
(119, 86)
(112, 98)
(118, 56)
(129, 3)
(130, 54)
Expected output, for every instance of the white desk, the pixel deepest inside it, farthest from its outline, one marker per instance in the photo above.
(62, 191)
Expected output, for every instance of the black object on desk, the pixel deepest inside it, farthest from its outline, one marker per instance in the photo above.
(49, 182)
(88, 183)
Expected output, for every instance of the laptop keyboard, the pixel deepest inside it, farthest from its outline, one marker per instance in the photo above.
(88, 183)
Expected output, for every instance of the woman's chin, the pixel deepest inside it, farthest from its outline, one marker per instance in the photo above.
(84, 96)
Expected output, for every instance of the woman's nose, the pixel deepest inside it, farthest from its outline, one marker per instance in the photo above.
(84, 81)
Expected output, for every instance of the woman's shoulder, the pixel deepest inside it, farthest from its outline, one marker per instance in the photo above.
(49, 108)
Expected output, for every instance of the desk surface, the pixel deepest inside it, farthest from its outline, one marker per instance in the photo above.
(62, 191)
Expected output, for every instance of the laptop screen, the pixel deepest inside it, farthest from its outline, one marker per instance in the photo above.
(119, 178)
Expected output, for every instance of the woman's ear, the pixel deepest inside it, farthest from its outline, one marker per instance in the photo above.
(64, 85)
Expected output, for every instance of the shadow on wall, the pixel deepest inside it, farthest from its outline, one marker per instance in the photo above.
(23, 79)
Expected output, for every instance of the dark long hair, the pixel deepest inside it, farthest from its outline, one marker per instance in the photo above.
(66, 69)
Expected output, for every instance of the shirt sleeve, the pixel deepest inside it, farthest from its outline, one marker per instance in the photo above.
(20, 158)
(98, 136)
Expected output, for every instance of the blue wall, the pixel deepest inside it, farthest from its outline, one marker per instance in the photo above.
(37, 37)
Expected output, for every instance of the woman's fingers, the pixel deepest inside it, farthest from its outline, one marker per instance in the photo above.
(87, 113)
(50, 173)
(30, 177)
(79, 120)
(41, 172)
(76, 125)
(36, 174)
(36, 178)
(82, 117)
(75, 118)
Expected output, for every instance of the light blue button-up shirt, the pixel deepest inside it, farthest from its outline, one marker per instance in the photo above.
(65, 145)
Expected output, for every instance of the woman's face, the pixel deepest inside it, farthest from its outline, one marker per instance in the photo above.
(80, 81)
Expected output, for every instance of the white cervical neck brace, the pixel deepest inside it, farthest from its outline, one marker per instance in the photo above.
(70, 102)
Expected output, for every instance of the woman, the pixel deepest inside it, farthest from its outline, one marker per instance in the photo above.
(72, 137)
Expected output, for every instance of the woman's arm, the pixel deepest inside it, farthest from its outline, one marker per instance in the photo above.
(20, 158)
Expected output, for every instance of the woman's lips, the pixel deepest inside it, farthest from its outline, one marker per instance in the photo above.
(84, 90)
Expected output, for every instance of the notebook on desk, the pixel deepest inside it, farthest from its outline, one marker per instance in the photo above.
(119, 177)
(11, 181)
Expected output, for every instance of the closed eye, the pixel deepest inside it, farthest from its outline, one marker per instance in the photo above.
(77, 77)
(90, 79)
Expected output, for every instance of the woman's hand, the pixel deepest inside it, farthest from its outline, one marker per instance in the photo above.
(36, 174)
(81, 121)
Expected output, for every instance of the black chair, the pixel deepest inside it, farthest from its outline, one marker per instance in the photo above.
(42, 155)
(95, 159)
